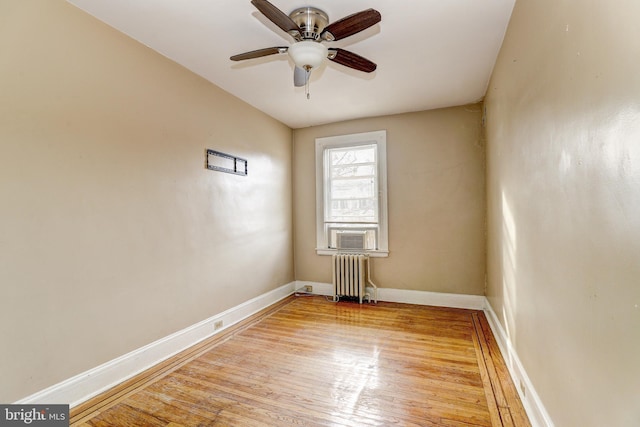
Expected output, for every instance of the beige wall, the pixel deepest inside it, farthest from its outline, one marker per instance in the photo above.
(112, 233)
(563, 149)
(435, 167)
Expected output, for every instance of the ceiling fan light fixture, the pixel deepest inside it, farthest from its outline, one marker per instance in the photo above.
(308, 54)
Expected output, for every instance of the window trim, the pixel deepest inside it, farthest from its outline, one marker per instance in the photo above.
(379, 138)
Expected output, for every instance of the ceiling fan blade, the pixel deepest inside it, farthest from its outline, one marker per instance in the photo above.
(299, 77)
(259, 53)
(351, 25)
(278, 17)
(351, 60)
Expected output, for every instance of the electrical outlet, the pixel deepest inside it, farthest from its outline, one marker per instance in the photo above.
(308, 288)
(217, 325)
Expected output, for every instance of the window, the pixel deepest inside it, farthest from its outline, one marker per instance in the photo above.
(351, 193)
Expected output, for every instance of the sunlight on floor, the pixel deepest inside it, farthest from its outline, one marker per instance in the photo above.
(351, 387)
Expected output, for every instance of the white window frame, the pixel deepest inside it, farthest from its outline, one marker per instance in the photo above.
(379, 138)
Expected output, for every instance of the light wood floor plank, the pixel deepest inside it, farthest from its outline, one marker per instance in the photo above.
(310, 362)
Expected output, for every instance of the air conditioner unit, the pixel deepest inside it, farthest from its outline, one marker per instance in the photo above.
(350, 240)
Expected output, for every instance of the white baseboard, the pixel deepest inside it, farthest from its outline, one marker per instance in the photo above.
(473, 302)
(318, 287)
(538, 415)
(86, 385)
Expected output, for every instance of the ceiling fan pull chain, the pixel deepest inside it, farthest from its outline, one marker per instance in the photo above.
(306, 82)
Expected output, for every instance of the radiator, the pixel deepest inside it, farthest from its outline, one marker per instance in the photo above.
(351, 275)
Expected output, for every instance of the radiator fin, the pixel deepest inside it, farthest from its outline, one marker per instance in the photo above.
(350, 275)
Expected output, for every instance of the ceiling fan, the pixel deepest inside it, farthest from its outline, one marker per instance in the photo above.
(309, 27)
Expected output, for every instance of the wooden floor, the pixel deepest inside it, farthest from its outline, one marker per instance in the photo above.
(309, 362)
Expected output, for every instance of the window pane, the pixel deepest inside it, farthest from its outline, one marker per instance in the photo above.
(353, 170)
(361, 154)
(356, 188)
(352, 187)
(355, 210)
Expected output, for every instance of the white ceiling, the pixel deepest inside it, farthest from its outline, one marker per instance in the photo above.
(430, 53)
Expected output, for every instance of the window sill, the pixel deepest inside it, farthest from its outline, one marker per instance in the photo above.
(373, 254)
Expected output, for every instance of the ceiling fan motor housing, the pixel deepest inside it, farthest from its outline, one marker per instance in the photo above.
(311, 21)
